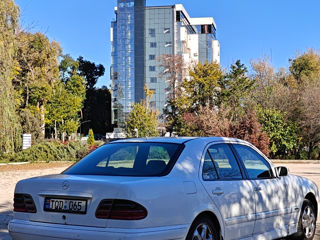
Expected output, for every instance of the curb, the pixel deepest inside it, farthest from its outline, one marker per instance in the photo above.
(296, 161)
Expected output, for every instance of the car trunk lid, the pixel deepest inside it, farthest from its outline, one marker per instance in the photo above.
(72, 189)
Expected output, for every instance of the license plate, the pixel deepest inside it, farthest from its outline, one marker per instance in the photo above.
(65, 205)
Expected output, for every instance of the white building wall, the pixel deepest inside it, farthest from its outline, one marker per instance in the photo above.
(216, 51)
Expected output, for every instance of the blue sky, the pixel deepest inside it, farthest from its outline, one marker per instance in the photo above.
(247, 29)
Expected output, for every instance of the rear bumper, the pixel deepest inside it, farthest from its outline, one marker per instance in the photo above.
(26, 230)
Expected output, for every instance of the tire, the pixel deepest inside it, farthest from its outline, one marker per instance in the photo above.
(203, 228)
(307, 222)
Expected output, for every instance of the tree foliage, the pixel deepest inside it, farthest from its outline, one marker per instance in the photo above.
(282, 134)
(236, 86)
(174, 72)
(38, 73)
(97, 111)
(64, 107)
(210, 121)
(90, 140)
(97, 105)
(249, 129)
(203, 87)
(90, 71)
(142, 122)
(305, 66)
(10, 128)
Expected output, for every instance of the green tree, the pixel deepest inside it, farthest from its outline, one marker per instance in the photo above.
(10, 128)
(203, 86)
(283, 135)
(142, 122)
(97, 105)
(236, 87)
(305, 66)
(90, 140)
(37, 59)
(64, 107)
(68, 67)
(97, 111)
(90, 71)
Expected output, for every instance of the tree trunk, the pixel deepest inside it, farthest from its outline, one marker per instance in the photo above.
(43, 123)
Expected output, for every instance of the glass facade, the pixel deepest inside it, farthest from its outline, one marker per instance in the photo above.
(140, 36)
(159, 19)
(123, 60)
(207, 34)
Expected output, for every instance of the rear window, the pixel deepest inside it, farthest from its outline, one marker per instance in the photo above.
(129, 159)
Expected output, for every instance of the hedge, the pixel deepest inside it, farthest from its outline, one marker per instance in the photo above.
(50, 151)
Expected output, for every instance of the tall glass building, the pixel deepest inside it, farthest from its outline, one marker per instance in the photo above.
(140, 35)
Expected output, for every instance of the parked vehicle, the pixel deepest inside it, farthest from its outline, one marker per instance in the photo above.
(167, 188)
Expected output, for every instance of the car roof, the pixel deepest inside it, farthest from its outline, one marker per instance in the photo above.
(181, 140)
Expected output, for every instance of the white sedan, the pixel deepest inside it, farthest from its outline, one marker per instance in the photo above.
(165, 189)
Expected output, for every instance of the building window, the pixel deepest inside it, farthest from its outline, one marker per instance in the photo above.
(152, 57)
(166, 30)
(178, 17)
(168, 44)
(153, 44)
(206, 29)
(152, 32)
(153, 80)
(152, 68)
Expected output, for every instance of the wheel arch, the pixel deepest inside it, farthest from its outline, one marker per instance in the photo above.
(213, 217)
(311, 197)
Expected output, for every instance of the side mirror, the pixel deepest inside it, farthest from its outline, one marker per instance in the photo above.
(282, 171)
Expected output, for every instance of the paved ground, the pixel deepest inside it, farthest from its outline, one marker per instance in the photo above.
(9, 175)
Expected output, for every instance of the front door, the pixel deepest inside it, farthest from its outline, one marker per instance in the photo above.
(272, 210)
(230, 192)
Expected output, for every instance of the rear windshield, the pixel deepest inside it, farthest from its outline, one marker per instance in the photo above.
(129, 159)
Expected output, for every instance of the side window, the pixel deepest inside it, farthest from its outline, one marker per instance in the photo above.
(257, 167)
(224, 162)
(209, 170)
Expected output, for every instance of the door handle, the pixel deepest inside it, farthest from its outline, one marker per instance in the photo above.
(217, 192)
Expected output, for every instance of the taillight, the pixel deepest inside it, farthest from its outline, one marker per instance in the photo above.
(24, 203)
(118, 209)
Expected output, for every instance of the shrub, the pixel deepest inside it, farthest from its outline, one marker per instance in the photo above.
(51, 151)
(90, 140)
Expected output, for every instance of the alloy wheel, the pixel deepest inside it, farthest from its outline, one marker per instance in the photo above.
(203, 232)
(308, 222)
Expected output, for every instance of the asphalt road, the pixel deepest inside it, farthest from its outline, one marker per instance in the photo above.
(9, 178)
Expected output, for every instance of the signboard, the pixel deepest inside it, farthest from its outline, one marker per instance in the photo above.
(26, 141)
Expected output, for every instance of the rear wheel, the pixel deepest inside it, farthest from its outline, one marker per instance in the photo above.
(203, 228)
(307, 222)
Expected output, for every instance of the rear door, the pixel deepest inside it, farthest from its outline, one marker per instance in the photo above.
(272, 210)
(229, 190)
